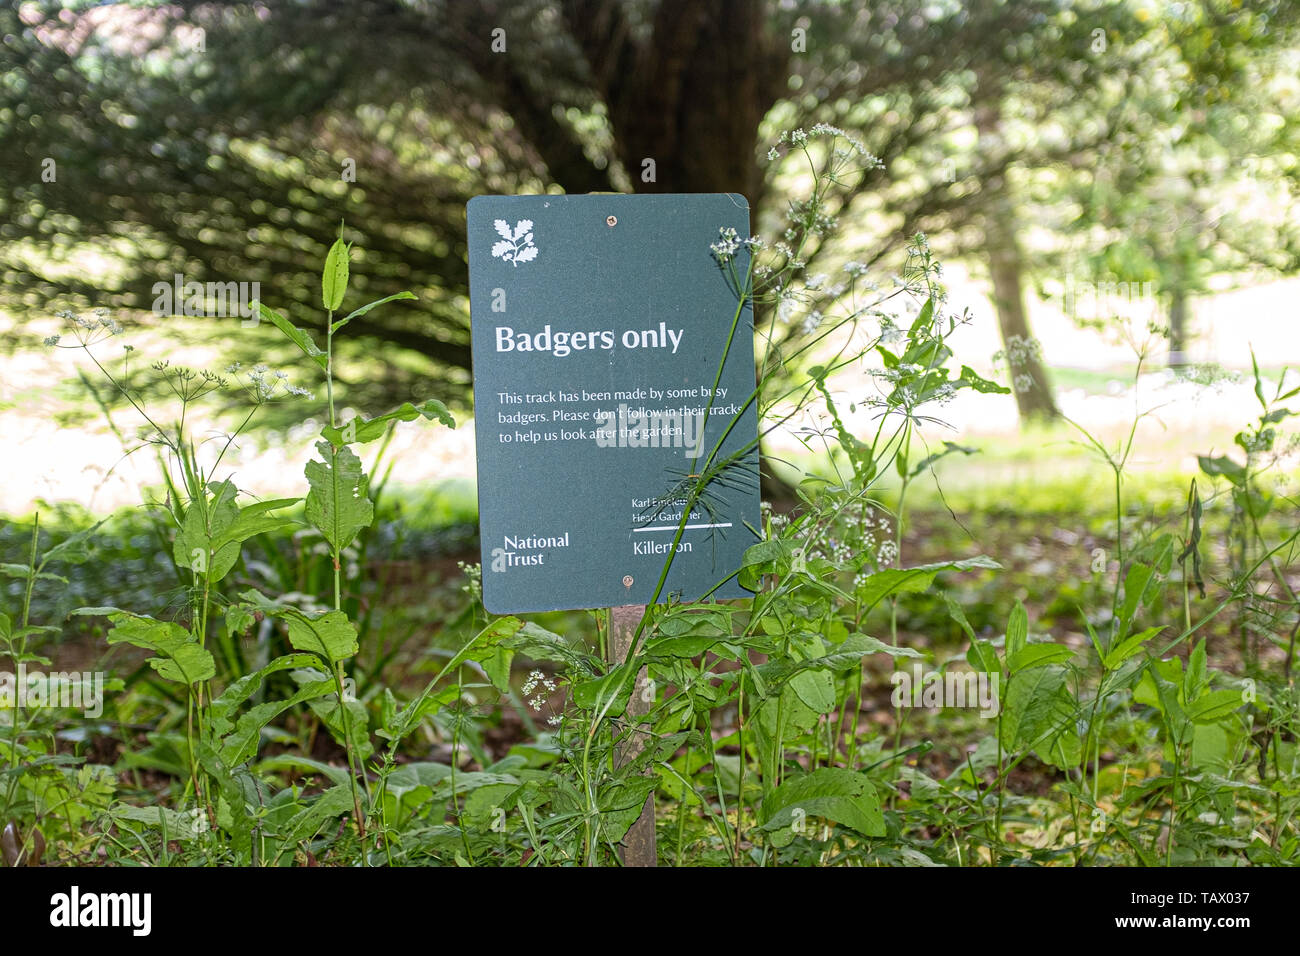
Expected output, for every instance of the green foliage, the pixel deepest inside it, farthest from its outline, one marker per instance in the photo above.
(302, 705)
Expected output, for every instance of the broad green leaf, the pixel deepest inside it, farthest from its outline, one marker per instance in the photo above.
(1210, 747)
(339, 501)
(831, 793)
(411, 786)
(688, 634)
(295, 335)
(607, 693)
(484, 643)
(334, 802)
(196, 547)
(770, 556)
(326, 707)
(179, 656)
(534, 641)
(1195, 680)
(959, 616)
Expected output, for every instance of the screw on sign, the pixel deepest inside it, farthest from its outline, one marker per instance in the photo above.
(614, 384)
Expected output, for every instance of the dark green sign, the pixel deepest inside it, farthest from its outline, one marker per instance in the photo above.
(599, 325)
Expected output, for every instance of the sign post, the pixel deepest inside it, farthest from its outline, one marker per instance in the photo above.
(613, 376)
(639, 843)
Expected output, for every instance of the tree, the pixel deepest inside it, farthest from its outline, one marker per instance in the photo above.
(1203, 183)
(210, 140)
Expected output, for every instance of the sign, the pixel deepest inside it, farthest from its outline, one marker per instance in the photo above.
(599, 327)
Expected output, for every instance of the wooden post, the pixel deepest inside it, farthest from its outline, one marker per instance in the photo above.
(639, 844)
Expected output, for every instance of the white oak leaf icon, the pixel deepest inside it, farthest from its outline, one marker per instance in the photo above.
(516, 245)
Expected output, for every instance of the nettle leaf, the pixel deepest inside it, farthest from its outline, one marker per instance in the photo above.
(1037, 655)
(970, 378)
(816, 689)
(1128, 647)
(620, 804)
(331, 636)
(1031, 700)
(241, 744)
(295, 335)
(75, 549)
(338, 504)
(1222, 466)
(831, 793)
(892, 581)
(256, 519)
(357, 313)
(949, 448)
(177, 824)
(1059, 743)
(334, 277)
(1017, 632)
(179, 656)
(1215, 705)
(211, 533)
(326, 707)
(688, 634)
(361, 430)
(223, 707)
(24, 571)
(195, 546)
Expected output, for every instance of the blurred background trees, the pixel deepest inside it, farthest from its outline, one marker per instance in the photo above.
(1041, 141)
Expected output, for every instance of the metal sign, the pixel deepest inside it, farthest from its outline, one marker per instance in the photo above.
(599, 327)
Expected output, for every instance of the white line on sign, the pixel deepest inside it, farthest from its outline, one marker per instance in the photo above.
(673, 527)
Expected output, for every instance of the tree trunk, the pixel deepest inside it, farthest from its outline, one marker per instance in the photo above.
(1178, 329)
(1029, 380)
